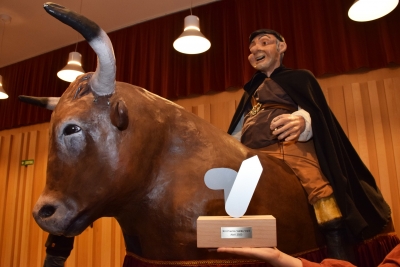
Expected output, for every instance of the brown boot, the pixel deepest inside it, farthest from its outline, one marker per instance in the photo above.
(330, 220)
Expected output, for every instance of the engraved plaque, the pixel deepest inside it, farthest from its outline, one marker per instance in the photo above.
(247, 231)
(236, 232)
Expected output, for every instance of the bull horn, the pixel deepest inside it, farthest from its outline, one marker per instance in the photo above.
(103, 80)
(44, 102)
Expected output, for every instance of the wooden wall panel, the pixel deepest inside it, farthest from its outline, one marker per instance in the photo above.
(366, 104)
(371, 138)
(361, 137)
(337, 104)
(5, 147)
(391, 88)
(203, 111)
(11, 203)
(37, 236)
(351, 126)
(30, 150)
(379, 120)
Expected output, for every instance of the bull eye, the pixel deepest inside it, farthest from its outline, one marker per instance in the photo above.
(71, 129)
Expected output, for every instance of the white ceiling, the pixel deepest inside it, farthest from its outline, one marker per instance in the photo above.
(32, 31)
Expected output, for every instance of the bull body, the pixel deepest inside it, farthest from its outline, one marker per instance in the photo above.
(117, 150)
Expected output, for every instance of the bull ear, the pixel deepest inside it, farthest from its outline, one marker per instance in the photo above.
(44, 102)
(119, 115)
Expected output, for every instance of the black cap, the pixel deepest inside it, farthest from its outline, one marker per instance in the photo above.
(266, 31)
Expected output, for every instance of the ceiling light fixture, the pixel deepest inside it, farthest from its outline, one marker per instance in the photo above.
(3, 94)
(366, 10)
(6, 19)
(74, 66)
(192, 41)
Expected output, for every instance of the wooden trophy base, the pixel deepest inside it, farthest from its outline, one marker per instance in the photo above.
(246, 231)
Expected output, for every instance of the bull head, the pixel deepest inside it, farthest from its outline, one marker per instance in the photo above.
(68, 138)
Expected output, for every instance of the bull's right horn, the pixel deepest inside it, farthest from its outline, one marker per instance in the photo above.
(103, 80)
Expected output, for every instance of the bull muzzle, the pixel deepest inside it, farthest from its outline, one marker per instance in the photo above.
(55, 216)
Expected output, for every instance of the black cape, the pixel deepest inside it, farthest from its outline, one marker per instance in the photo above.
(364, 210)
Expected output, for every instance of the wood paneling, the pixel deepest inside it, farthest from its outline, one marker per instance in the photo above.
(366, 104)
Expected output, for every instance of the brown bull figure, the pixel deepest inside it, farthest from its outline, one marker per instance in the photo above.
(117, 150)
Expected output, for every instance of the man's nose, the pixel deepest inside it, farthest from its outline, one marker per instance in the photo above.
(253, 49)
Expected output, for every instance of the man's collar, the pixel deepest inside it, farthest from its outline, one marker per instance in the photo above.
(255, 81)
(274, 72)
(258, 78)
(278, 70)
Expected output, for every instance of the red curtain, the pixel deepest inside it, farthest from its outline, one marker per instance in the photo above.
(319, 34)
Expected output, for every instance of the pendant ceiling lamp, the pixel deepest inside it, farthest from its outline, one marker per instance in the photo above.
(5, 19)
(74, 66)
(366, 10)
(191, 41)
(3, 94)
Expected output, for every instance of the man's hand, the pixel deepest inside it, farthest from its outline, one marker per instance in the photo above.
(288, 127)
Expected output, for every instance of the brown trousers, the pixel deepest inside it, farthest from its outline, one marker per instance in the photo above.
(301, 158)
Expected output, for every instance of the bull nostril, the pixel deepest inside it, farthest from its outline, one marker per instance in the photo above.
(46, 211)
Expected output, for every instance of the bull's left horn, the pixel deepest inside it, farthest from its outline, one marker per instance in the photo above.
(103, 80)
(44, 102)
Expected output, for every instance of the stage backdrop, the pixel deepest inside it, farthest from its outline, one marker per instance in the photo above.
(319, 34)
(367, 105)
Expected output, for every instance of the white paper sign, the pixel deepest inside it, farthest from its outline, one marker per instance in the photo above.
(238, 187)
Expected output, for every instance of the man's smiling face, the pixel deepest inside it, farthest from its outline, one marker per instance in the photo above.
(265, 53)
